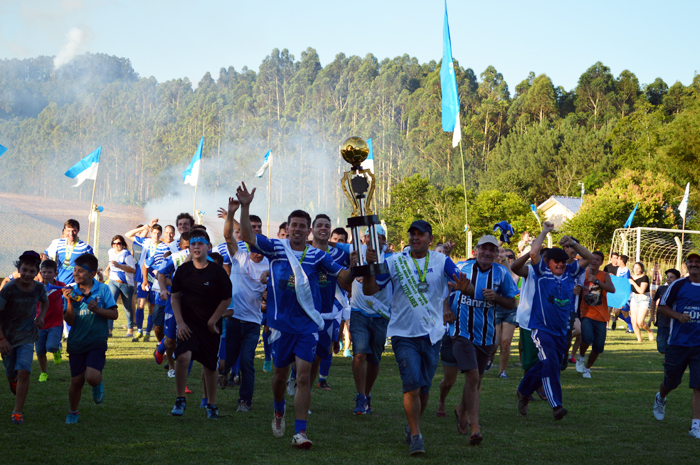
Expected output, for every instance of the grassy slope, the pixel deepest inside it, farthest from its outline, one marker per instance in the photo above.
(610, 419)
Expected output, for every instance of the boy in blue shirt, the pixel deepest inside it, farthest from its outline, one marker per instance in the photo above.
(552, 305)
(89, 306)
(681, 303)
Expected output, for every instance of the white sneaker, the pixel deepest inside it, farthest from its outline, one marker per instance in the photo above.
(659, 407)
(278, 425)
(580, 364)
(300, 441)
(171, 373)
(291, 387)
(586, 373)
(694, 433)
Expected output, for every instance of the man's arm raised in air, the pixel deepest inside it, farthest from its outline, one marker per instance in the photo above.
(229, 225)
(245, 198)
(536, 246)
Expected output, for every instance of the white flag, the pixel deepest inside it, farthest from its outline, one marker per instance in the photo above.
(457, 134)
(266, 164)
(683, 207)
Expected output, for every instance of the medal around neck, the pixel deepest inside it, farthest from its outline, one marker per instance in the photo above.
(358, 186)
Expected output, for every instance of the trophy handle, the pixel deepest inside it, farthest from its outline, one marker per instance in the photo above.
(370, 193)
(355, 204)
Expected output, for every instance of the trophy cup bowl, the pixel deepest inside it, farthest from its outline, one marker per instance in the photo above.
(358, 186)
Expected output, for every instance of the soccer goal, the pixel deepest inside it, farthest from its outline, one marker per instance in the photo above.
(667, 247)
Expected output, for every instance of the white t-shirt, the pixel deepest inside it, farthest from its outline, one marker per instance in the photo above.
(123, 258)
(527, 292)
(358, 300)
(247, 288)
(404, 321)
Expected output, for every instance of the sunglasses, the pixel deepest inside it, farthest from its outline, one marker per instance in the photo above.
(510, 257)
(117, 243)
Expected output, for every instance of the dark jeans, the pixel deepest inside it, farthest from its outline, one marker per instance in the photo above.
(241, 340)
(127, 292)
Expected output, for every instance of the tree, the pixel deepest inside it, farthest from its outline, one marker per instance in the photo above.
(593, 92)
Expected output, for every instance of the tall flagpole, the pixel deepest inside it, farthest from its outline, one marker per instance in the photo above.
(92, 202)
(466, 211)
(194, 207)
(269, 196)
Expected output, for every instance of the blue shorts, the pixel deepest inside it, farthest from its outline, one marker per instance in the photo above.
(418, 361)
(368, 335)
(20, 358)
(676, 361)
(150, 296)
(505, 316)
(662, 338)
(593, 333)
(169, 322)
(49, 340)
(288, 346)
(158, 315)
(92, 359)
(325, 340)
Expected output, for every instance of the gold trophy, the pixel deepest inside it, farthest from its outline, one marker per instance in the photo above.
(358, 185)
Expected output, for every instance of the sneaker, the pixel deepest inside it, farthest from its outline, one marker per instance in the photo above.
(300, 441)
(13, 385)
(187, 390)
(223, 381)
(204, 403)
(564, 364)
(659, 407)
(98, 393)
(17, 419)
(694, 433)
(212, 412)
(237, 380)
(158, 356)
(323, 384)
(572, 359)
(278, 425)
(291, 387)
(342, 345)
(267, 366)
(57, 359)
(347, 353)
(171, 373)
(43, 377)
(614, 324)
(243, 406)
(522, 404)
(179, 408)
(72, 418)
(580, 363)
(586, 373)
(417, 447)
(559, 412)
(488, 366)
(360, 405)
(147, 338)
(407, 429)
(503, 375)
(369, 404)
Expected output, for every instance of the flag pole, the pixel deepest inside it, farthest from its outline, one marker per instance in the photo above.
(92, 202)
(194, 207)
(269, 196)
(466, 211)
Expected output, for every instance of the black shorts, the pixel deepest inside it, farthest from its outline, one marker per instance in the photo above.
(446, 355)
(158, 315)
(80, 362)
(470, 356)
(677, 359)
(203, 345)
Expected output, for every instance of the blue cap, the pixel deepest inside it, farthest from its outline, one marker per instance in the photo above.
(380, 231)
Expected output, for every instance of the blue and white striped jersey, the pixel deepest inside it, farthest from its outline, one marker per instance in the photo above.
(65, 256)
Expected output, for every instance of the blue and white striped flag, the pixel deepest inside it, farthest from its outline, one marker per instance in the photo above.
(85, 168)
(266, 164)
(191, 174)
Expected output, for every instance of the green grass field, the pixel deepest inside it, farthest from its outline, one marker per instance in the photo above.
(609, 421)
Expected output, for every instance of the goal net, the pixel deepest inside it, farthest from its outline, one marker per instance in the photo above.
(651, 246)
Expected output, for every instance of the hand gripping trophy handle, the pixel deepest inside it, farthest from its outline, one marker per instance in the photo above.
(358, 186)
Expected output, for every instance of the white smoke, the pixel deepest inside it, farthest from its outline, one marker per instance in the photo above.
(75, 41)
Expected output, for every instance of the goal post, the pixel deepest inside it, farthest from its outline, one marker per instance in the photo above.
(655, 245)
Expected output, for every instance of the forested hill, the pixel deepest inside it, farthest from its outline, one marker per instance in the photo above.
(531, 138)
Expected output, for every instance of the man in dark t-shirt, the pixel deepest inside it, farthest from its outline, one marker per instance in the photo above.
(662, 322)
(611, 268)
(201, 293)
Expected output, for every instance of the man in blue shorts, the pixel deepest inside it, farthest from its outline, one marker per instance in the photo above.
(552, 305)
(681, 303)
(474, 339)
(293, 307)
(420, 281)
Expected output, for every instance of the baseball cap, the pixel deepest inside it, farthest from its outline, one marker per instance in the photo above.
(557, 254)
(422, 226)
(487, 240)
(30, 255)
(693, 253)
(380, 231)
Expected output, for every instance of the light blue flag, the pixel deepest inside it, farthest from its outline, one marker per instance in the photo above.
(623, 289)
(628, 223)
(191, 174)
(85, 168)
(448, 83)
(534, 212)
(266, 164)
(368, 164)
(2, 150)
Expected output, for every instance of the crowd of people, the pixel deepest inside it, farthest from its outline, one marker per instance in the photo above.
(209, 303)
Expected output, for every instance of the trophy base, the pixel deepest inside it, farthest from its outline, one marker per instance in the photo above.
(372, 269)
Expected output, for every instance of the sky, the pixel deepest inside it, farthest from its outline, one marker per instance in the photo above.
(176, 39)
